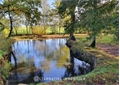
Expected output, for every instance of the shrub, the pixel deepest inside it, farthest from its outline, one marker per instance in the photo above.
(39, 30)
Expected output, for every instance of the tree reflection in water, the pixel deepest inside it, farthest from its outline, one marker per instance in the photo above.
(25, 78)
(76, 67)
(48, 58)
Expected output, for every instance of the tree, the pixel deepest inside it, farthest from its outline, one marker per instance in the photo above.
(96, 16)
(58, 21)
(45, 12)
(67, 9)
(27, 8)
(30, 8)
(17, 22)
(6, 7)
(113, 22)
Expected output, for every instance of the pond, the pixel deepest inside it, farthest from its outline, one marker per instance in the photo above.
(44, 61)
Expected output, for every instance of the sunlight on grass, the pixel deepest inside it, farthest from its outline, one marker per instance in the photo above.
(106, 39)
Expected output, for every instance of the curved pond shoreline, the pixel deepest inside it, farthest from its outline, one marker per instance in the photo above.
(81, 54)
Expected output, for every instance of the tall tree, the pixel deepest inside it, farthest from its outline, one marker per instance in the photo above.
(27, 8)
(67, 8)
(95, 15)
(30, 8)
(59, 22)
(6, 7)
(45, 11)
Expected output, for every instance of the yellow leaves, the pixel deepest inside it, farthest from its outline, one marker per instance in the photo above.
(67, 18)
(57, 3)
(38, 30)
(6, 32)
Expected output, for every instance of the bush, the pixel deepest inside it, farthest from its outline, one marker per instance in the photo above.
(38, 30)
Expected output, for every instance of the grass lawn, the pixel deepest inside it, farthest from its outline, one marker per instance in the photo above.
(103, 39)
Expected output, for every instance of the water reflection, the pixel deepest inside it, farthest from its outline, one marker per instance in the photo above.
(76, 67)
(45, 59)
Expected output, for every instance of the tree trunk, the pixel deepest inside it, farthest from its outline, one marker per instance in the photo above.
(59, 30)
(93, 44)
(10, 18)
(26, 27)
(72, 27)
(16, 32)
(59, 27)
(44, 30)
(15, 28)
(72, 37)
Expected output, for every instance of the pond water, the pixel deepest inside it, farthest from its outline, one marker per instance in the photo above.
(44, 61)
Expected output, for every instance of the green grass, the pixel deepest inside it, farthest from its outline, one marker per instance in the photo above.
(103, 39)
(106, 39)
(81, 37)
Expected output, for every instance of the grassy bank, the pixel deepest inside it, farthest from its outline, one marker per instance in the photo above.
(105, 73)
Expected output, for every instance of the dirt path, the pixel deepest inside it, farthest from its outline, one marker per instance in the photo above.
(110, 49)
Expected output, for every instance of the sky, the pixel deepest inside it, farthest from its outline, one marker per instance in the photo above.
(50, 2)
